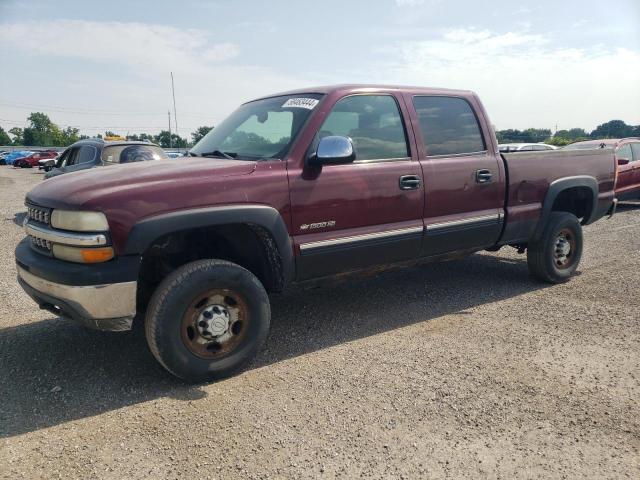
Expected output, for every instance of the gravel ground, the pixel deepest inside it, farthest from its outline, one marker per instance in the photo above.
(461, 369)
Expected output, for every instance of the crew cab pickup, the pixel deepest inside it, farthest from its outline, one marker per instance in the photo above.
(294, 187)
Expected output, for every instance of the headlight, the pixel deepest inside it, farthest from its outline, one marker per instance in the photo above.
(82, 255)
(79, 221)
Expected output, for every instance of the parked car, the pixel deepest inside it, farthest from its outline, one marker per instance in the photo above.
(48, 163)
(176, 154)
(627, 152)
(13, 156)
(96, 152)
(33, 159)
(525, 147)
(292, 188)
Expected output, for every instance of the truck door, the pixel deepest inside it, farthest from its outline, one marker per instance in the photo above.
(635, 147)
(463, 175)
(365, 213)
(625, 181)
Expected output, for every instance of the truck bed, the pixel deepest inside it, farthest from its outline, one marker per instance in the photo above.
(530, 175)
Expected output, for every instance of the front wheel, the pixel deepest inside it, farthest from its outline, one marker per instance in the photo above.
(554, 258)
(207, 320)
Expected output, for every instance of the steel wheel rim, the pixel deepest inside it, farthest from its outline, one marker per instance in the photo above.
(215, 323)
(564, 248)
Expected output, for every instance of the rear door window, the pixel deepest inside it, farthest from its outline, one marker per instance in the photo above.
(635, 148)
(449, 126)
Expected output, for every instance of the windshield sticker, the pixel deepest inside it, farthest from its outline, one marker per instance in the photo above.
(308, 103)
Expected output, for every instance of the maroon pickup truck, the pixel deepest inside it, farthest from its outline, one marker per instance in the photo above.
(290, 188)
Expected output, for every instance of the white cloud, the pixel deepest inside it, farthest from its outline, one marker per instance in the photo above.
(524, 79)
(120, 66)
(415, 3)
(118, 42)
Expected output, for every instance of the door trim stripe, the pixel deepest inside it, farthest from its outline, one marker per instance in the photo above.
(465, 221)
(400, 232)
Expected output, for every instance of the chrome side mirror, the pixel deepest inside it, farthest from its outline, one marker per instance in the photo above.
(332, 150)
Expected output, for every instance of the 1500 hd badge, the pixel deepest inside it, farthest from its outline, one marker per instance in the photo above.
(314, 226)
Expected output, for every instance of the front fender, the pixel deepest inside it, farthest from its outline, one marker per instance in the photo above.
(145, 232)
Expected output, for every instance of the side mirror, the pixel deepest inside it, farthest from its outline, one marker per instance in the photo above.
(623, 161)
(332, 150)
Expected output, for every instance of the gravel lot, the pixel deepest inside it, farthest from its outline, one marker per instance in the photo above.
(462, 369)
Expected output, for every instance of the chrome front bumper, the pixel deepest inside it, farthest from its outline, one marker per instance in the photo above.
(103, 307)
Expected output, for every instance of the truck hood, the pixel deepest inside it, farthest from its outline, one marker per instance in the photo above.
(90, 188)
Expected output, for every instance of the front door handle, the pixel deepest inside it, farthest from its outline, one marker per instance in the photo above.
(483, 176)
(409, 182)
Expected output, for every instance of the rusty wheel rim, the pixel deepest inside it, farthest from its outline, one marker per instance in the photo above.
(563, 249)
(215, 323)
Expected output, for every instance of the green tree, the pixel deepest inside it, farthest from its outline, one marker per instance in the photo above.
(613, 129)
(199, 133)
(165, 141)
(559, 141)
(42, 131)
(535, 135)
(5, 139)
(18, 135)
(530, 135)
(69, 135)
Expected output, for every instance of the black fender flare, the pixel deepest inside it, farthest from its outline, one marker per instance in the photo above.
(146, 231)
(558, 186)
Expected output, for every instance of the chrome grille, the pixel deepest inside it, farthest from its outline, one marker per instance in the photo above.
(38, 214)
(40, 244)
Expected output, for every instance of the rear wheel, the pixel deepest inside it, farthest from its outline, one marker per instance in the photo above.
(554, 258)
(207, 320)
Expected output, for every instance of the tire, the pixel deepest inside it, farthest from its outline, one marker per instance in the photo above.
(548, 258)
(197, 346)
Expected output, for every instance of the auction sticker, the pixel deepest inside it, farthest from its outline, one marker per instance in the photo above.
(308, 103)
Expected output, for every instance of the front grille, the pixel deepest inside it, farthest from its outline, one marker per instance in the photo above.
(41, 215)
(40, 244)
(38, 214)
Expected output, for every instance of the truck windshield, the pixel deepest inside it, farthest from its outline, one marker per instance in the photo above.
(262, 129)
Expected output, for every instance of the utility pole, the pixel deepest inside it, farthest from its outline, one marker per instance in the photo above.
(170, 139)
(173, 94)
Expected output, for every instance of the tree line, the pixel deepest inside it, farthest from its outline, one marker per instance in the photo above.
(610, 129)
(43, 132)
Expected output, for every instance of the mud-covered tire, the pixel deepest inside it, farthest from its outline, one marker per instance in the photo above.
(548, 258)
(170, 306)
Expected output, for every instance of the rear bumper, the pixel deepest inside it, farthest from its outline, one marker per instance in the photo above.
(100, 296)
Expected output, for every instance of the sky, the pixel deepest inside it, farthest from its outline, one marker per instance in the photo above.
(105, 65)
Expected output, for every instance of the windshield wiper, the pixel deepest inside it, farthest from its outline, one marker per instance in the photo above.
(219, 154)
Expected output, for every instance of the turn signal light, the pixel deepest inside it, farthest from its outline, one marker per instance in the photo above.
(96, 255)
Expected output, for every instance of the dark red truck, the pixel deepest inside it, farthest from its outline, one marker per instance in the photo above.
(290, 188)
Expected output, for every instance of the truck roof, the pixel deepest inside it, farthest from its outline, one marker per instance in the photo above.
(103, 142)
(364, 87)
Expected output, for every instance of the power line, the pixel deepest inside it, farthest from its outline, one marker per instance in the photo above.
(87, 111)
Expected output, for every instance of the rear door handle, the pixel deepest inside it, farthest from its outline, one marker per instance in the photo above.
(409, 182)
(483, 176)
